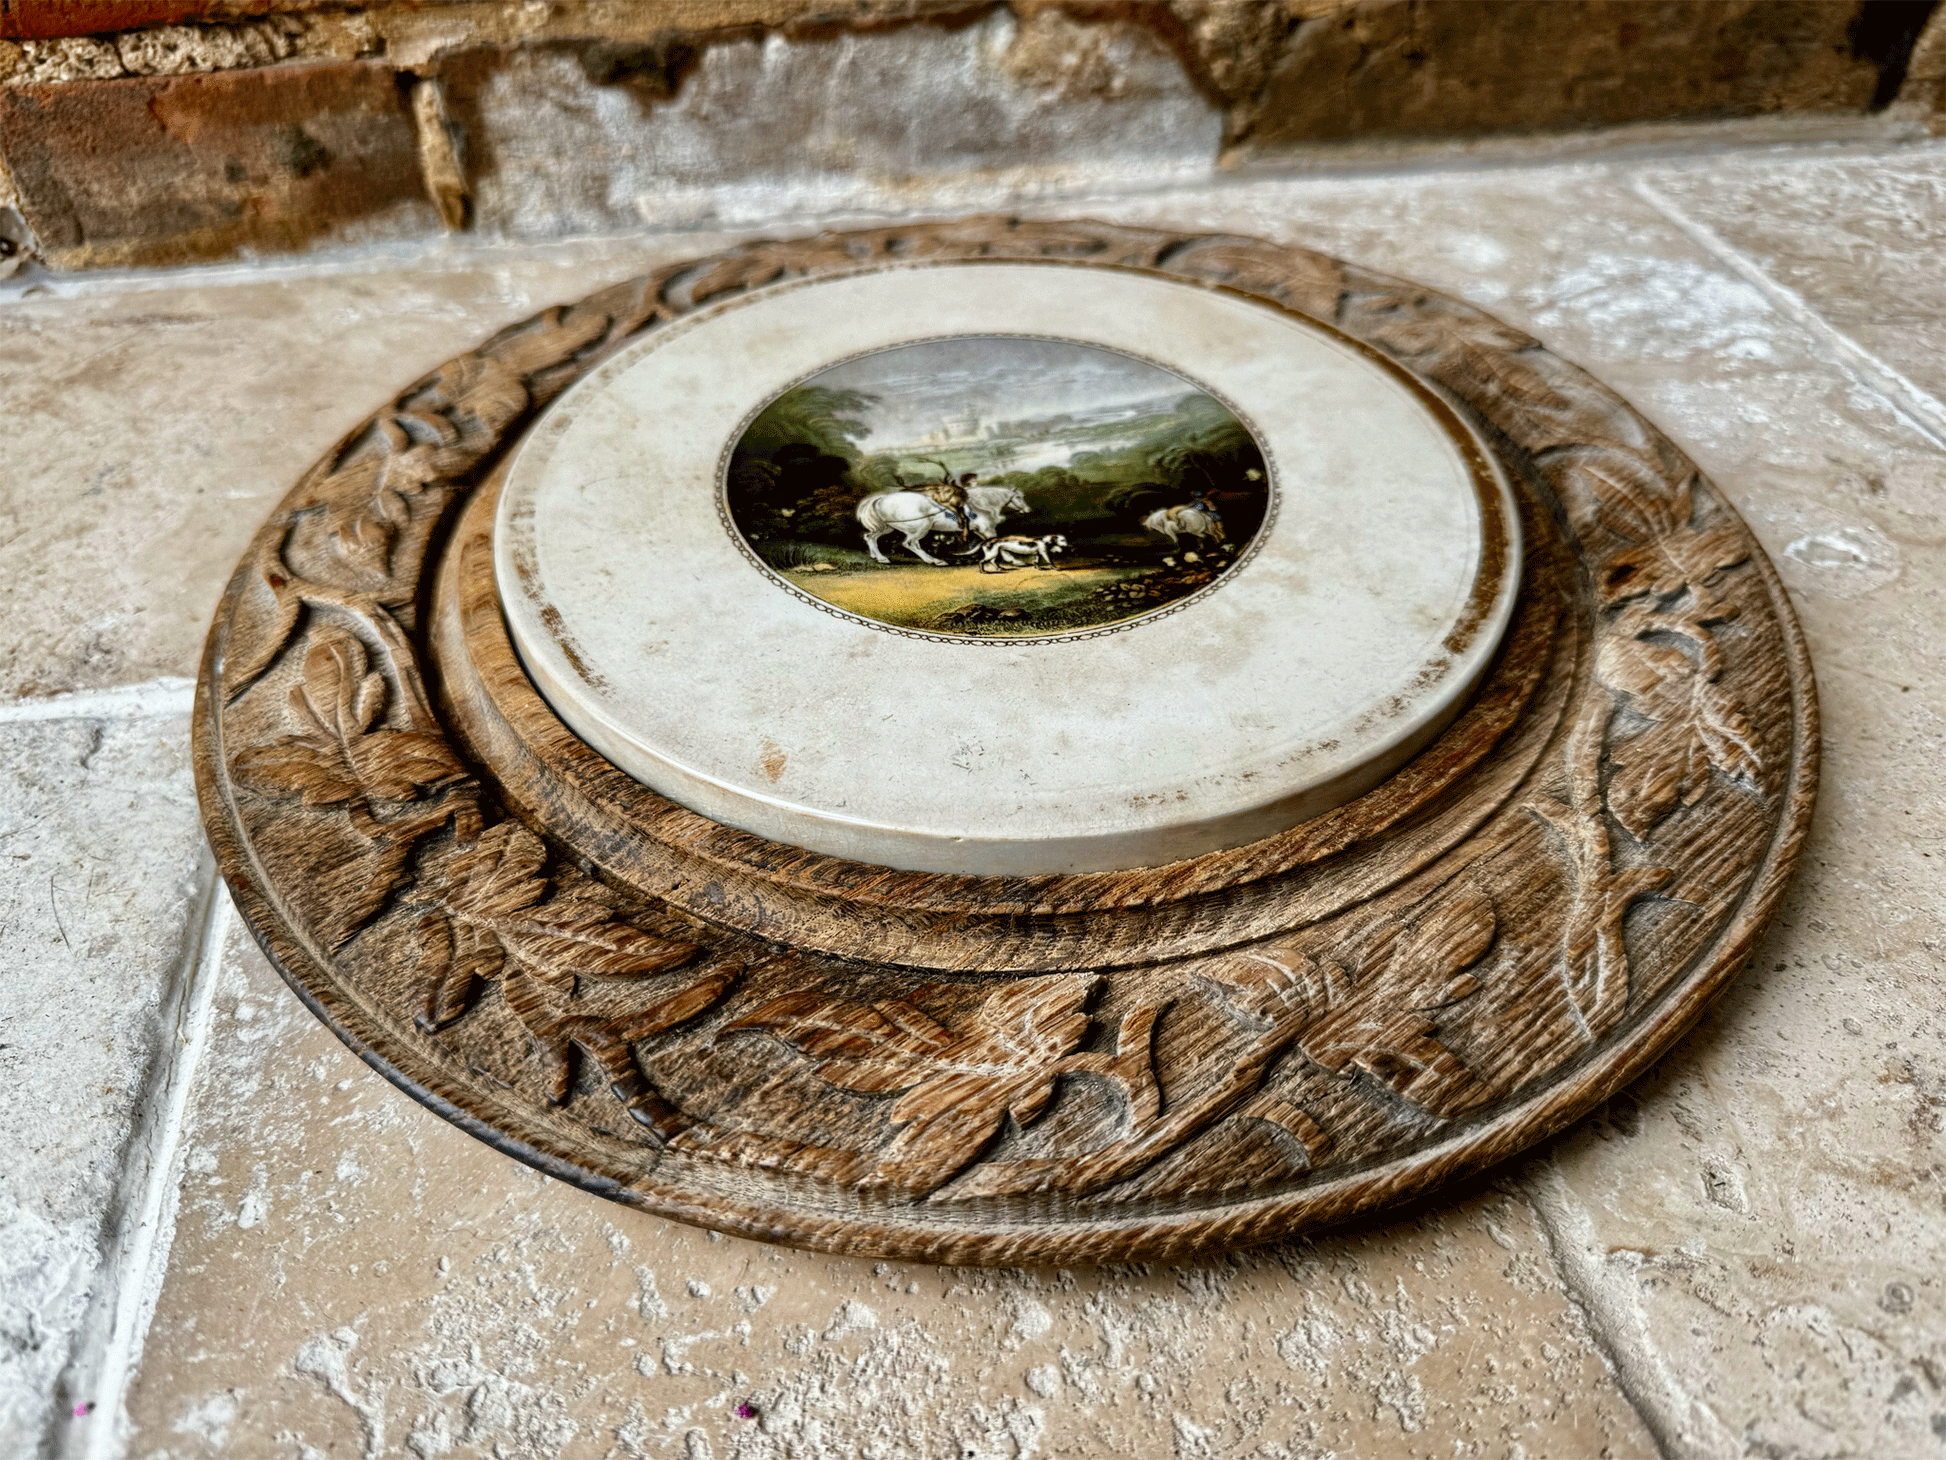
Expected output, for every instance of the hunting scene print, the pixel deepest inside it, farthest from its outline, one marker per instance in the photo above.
(997, 487)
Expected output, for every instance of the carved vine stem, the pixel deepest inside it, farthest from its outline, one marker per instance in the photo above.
(957, 1089)
(1594, 966)
(1662, 729)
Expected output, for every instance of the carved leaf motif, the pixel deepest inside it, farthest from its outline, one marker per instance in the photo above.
(349, 892)
(1414, 322)
(1379, 1023)
(343, 756)
(340, 752)
(1387, 1032)
(1273, 1108)
(1685, 557)
(1280, 996)
(454, 959)
(558, 335)
(440, 431)
(561, 1022)
(1595, 968)
(262, 617)
(1308, 281)
(738, 272)
(363, 513)
(489, 393)
(1695, 727)
(493, 905)
(368, 500)
(523, 368)
(560, 960)
(1630, 492)
(1135, 246)
(765, 264)
(868, 1048)
(577, 935)
(957, 1088)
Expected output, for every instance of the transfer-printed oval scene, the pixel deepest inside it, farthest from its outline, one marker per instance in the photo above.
(993, 486)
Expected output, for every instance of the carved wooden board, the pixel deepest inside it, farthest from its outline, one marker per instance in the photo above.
(1007, 1070)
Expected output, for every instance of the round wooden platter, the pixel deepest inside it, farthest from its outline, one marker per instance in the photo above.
(1097, 1067)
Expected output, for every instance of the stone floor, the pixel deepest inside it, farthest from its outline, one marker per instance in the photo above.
(221, 1235)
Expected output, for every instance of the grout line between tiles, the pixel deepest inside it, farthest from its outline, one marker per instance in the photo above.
(1683, 1425)
(157, 697)
(109, 1344)
(1918, 407)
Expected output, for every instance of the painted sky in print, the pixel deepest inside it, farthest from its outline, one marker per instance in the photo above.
(920, 386)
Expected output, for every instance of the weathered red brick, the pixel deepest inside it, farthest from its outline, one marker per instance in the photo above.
(159, 170)
(42, 19)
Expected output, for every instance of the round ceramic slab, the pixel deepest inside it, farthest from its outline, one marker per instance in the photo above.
(1004, 568)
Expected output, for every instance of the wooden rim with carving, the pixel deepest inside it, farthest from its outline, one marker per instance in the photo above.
(548, 776)
(794, 1048)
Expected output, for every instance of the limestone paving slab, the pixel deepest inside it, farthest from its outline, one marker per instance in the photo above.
(157, 425)
(1859, 245)
(99, 851)
(1754, 1234)
(353, 1276)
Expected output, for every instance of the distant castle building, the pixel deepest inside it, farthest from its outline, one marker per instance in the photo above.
(998, 443)
(966, 429)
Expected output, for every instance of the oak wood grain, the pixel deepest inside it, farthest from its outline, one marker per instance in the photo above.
(793, 1047)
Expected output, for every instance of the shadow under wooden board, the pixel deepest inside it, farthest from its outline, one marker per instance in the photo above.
(1421, 979)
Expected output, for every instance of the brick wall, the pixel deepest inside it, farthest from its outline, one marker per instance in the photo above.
(142, 132)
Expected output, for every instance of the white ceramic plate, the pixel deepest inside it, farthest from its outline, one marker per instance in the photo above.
(687, 578)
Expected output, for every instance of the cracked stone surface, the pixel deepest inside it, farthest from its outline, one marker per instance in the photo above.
(100, 844)
(1822, 230)
(1740, 1256)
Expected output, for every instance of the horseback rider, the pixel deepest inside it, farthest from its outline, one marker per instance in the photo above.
(1200, 502)
(950, 492)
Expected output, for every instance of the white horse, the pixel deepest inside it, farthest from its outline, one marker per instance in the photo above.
(1185, 521)
(914, 514)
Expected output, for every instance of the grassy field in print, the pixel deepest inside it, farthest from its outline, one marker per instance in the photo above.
(1152, 485)
(964, 600)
